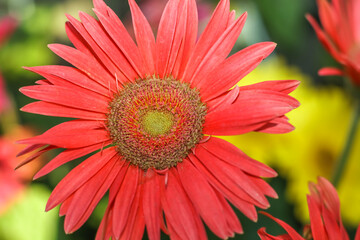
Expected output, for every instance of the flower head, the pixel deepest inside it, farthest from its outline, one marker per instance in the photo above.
(147, 112)
(340, 35)
(325, 221)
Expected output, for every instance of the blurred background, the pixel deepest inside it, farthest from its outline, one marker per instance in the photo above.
(321, 122)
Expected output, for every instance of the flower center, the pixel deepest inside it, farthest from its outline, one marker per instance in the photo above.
(157, 122)
(154, 123)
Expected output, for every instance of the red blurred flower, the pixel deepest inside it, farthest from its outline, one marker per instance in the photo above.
(7, 26)
(325, 221)
(340, 35)
(147, 107)
(11, 182)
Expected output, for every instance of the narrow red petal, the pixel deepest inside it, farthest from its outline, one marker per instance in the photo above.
(67, 156)
(212, 32)
(88, 196)
(204, 198)
(78, 176)
(233, 69)
(233, 155)
(124, 198)
(166, 35)
(151, 205)
(144, 37)
(72, 134)
(179, 211)
(71, 75)
(97, 54)
(284, 86)
(188, 43)
(292, 233)
(235, 195)
(67, 96)
(317, 224)
(119, 53)
(218, 52)
(329, 71)
(251, 109)
(85, 63)
(231, 176)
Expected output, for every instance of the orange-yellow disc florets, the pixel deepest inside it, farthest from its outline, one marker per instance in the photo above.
(155, 122)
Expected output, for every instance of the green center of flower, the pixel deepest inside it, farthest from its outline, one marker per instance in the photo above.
(154, 123)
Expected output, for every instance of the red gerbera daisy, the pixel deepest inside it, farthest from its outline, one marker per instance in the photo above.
(340, 35)
(325, 221)
(150, 110)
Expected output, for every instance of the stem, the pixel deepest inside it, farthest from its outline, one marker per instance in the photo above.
(343, 159)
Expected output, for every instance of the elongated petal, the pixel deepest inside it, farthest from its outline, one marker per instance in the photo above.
(234, 156)
(152, 205)
(144, 37)
(233, 69)
(234, 194)
(204, 198)
(86, 64)
(250, 110)
(68, 97)
(218, 52)
(72, 134)
(66, 156)
(179, 211)
(72, 75)
(53, 109)
(329, 71)
(78, 176)
(124, 199)
(292, 233)
(87, 196)
(211, 34)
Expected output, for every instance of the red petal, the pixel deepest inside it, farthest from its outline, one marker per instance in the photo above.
(234, 156)
(144, 37)
(284, 86)
(218, 52)
(204, 199)
(250, 110)
(71, 134)
(329, 71)
(292, 233)
(88, 196)
(232, 177)
(151, 205)
(67, 156)
(78, 176)
(52, 109)
(67, 96)
(169, 36)
(85, 63)
(96, 52)
(317, 224)
(235, 195)
(233, 69)
(179, 212)
(124, 198)
(211, 34)
(188, 43)
(72, 75)
(277, 126)
(120, 36)
(125, 54)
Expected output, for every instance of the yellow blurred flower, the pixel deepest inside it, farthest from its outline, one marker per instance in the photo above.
(312, 149)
